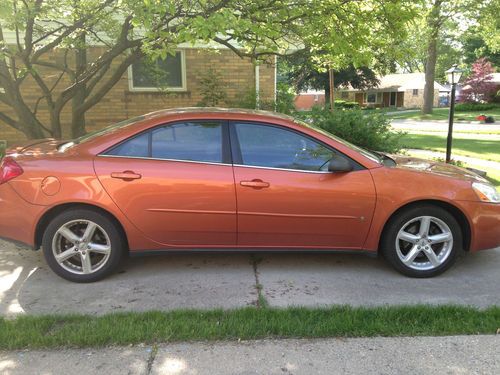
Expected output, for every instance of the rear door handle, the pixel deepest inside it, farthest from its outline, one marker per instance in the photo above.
(256, 184)
(126, 175)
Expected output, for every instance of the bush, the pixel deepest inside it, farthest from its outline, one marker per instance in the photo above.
(368, 130)
(212, 89)
(346, 105)
(284, 100)
(463, 107)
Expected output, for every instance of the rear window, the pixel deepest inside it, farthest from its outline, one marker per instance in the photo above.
(190, 141)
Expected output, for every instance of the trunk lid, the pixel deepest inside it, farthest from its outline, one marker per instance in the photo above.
(34, 147)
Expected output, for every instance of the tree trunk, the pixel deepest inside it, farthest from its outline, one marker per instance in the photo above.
(433, 25)
(77, 116)
(332, 88)
(430, 73)
(327, 94)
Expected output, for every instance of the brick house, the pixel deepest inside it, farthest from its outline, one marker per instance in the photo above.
(308, 99)
(135, 93)
(405, 90)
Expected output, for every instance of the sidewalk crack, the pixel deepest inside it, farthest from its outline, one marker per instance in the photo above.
(261, 301)
(151, 358)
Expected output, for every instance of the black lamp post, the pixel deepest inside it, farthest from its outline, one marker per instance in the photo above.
(453, 74)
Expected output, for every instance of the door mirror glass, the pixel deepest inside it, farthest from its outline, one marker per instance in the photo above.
(339, 163)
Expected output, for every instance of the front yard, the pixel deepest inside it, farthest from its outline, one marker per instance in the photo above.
(474, 145)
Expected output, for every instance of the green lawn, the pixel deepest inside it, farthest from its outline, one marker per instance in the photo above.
(442, 114)
(246, 323)
(477, 146)
(481, 147)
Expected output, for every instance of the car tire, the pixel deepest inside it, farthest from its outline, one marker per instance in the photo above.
(83, 245)
(422, 241)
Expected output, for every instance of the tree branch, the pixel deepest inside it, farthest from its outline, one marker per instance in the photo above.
(9, 120)
(108, 85)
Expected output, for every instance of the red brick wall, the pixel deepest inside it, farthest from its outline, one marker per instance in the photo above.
(121, 103)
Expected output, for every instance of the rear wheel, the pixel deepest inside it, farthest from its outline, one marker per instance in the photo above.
(422, 241)
(82, 245)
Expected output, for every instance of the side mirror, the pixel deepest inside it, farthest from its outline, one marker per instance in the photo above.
(339, 163)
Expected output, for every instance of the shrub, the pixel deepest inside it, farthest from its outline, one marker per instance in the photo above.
(346, 105)
(284, 98)
(283, 104)
(463, 107)
(368, 130)
(212, 89)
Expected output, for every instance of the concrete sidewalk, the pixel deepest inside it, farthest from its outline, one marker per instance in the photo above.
(404, 355)
(204, 281)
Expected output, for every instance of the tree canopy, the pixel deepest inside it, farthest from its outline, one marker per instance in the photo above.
(46, 42)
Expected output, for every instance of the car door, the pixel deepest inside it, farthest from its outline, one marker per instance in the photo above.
(175, 183)
(287, 198)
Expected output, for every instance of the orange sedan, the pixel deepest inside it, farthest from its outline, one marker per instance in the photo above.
(218, 179)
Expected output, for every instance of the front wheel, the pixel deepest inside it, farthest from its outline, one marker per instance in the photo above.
(82, 245)
(422, 241)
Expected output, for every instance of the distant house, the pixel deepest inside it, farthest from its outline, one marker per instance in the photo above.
(308, 99)
(405, 90)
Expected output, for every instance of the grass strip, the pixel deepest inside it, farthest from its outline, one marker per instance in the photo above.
(246, 323)
(483, 148)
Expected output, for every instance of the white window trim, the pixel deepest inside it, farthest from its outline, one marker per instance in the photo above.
(132, 88)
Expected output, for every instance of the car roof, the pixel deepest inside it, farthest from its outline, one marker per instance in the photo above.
(216, 110)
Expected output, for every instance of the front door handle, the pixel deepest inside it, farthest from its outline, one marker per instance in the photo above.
(126, 175)
(256, 184)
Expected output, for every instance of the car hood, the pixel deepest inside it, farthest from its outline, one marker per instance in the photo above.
(437, 168)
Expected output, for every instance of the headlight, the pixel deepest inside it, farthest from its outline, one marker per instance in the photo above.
(486, 193)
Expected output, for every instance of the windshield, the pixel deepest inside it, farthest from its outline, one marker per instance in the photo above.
(97, 133)
(370, 155)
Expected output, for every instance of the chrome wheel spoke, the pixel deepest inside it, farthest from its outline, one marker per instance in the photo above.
(408, 237)
(99, 248)
(65, 255)
(425, 224)
(412, 254)
(68, 234)
(431, 255)
(86, 263)
(442, 237)
(89, 232)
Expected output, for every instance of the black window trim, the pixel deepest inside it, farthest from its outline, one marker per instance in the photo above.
(226, 147)
(238, 158)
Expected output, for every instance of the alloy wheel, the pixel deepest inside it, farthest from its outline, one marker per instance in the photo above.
(81, 247)
(424, 243)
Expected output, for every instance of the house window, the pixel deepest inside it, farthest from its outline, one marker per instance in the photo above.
(161, 74)
(344, 95)
(371, 97)
(415, 92)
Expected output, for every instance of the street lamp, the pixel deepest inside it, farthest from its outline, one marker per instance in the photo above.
(453, 74)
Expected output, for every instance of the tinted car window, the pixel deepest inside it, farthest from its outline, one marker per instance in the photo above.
(185, 141)
(137, 146)
(270, 146)
(188, 141)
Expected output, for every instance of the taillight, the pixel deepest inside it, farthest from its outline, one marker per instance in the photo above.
(9, 169)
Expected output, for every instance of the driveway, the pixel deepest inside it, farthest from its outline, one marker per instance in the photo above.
(204, 281)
